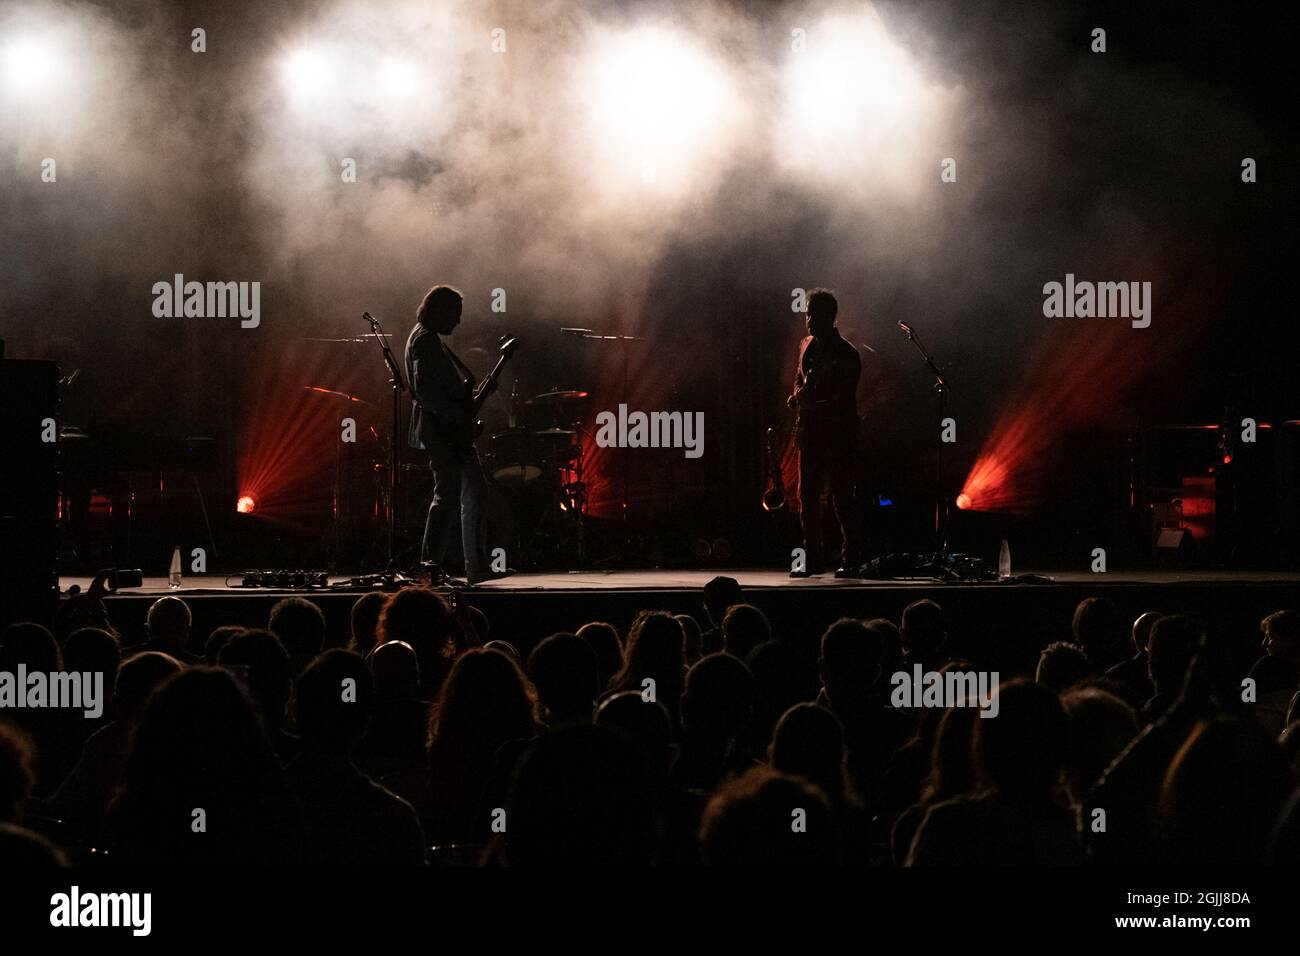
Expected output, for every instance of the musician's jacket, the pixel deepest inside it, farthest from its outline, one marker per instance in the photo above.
(443, 390)
(827, 375)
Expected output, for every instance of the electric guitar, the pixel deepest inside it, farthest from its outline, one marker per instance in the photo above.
(485, 388)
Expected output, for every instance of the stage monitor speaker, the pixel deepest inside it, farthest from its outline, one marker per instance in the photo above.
(1174, 548)
(29, 490)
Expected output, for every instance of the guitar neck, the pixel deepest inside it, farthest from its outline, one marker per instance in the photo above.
(481, 393)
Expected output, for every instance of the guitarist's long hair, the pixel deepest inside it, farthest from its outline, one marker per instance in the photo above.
(438, 301)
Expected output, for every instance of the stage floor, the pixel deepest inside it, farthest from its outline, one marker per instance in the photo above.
(694, 580)
(1002, 625)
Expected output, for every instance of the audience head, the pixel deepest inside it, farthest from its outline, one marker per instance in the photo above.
(198, 744)
(24, 850)
(1061, 665)
(605, 641)
(1099, 629)
(646, 722)
(719, 698)
(258, 658)
(691, 638)
(365, 621)
(850, 661)
(139, 676)
(95, 651)
(744, 628)
(31, 645)
(506, 648)
(1281, 631)
(17, 772)
(300, 626)
(809, 742)
(720, 594)
(1022, 751)
(581, 796)
(952, 763)
(1141, 634)
(654, 651)
(421, 618)
(333, 702)
(778, 685)
(396, 671)
(563, 668)
(890, 638)
(924, 631)
(218, 639)
(485, 699)
(1174, 640)
(1100, 725)
(1222, 793)
(168, 623)
(749, 822)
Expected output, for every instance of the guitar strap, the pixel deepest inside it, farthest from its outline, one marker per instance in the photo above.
(464, 370)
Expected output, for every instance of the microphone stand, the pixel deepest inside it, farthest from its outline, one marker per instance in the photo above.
(391, 577)
(941, 506)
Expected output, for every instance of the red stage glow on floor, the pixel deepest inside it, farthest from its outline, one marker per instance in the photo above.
(298, 408)
(1077, 380)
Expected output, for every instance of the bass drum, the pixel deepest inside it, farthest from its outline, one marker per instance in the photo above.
(514, 458)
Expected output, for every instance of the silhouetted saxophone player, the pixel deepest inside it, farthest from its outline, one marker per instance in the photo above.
(826, 435)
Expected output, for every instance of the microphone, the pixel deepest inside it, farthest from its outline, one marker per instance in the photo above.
(905, 329)
(369, 318)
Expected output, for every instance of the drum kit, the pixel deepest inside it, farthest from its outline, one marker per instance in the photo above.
(540, 466)
(538, 498)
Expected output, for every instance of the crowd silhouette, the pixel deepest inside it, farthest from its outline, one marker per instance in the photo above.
(421, 738)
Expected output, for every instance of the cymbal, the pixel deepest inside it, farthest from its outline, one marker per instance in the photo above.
(350, 341)
(321, 390)
(555, 433)
(557, 397)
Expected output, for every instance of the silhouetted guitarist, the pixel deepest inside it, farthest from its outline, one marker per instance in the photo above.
(442, 425)
(826, 435)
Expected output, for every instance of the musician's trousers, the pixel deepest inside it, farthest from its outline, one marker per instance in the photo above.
(825, 463)
(458, 488)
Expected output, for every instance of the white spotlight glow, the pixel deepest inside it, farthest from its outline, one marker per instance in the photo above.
(399, 78)
(657, 103)
(308, 73)
(31, 65)
(851, 91)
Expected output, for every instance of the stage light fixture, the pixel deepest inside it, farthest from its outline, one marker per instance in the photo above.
(246, 505)
(964, 502)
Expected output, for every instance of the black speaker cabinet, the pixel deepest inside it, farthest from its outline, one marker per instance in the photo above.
(29, 497)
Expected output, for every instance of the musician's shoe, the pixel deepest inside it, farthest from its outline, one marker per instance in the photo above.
(848, 571)
(435, 575)
(490, 576)
(811, 572)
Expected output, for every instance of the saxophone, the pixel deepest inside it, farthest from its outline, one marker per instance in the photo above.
(774, 493)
